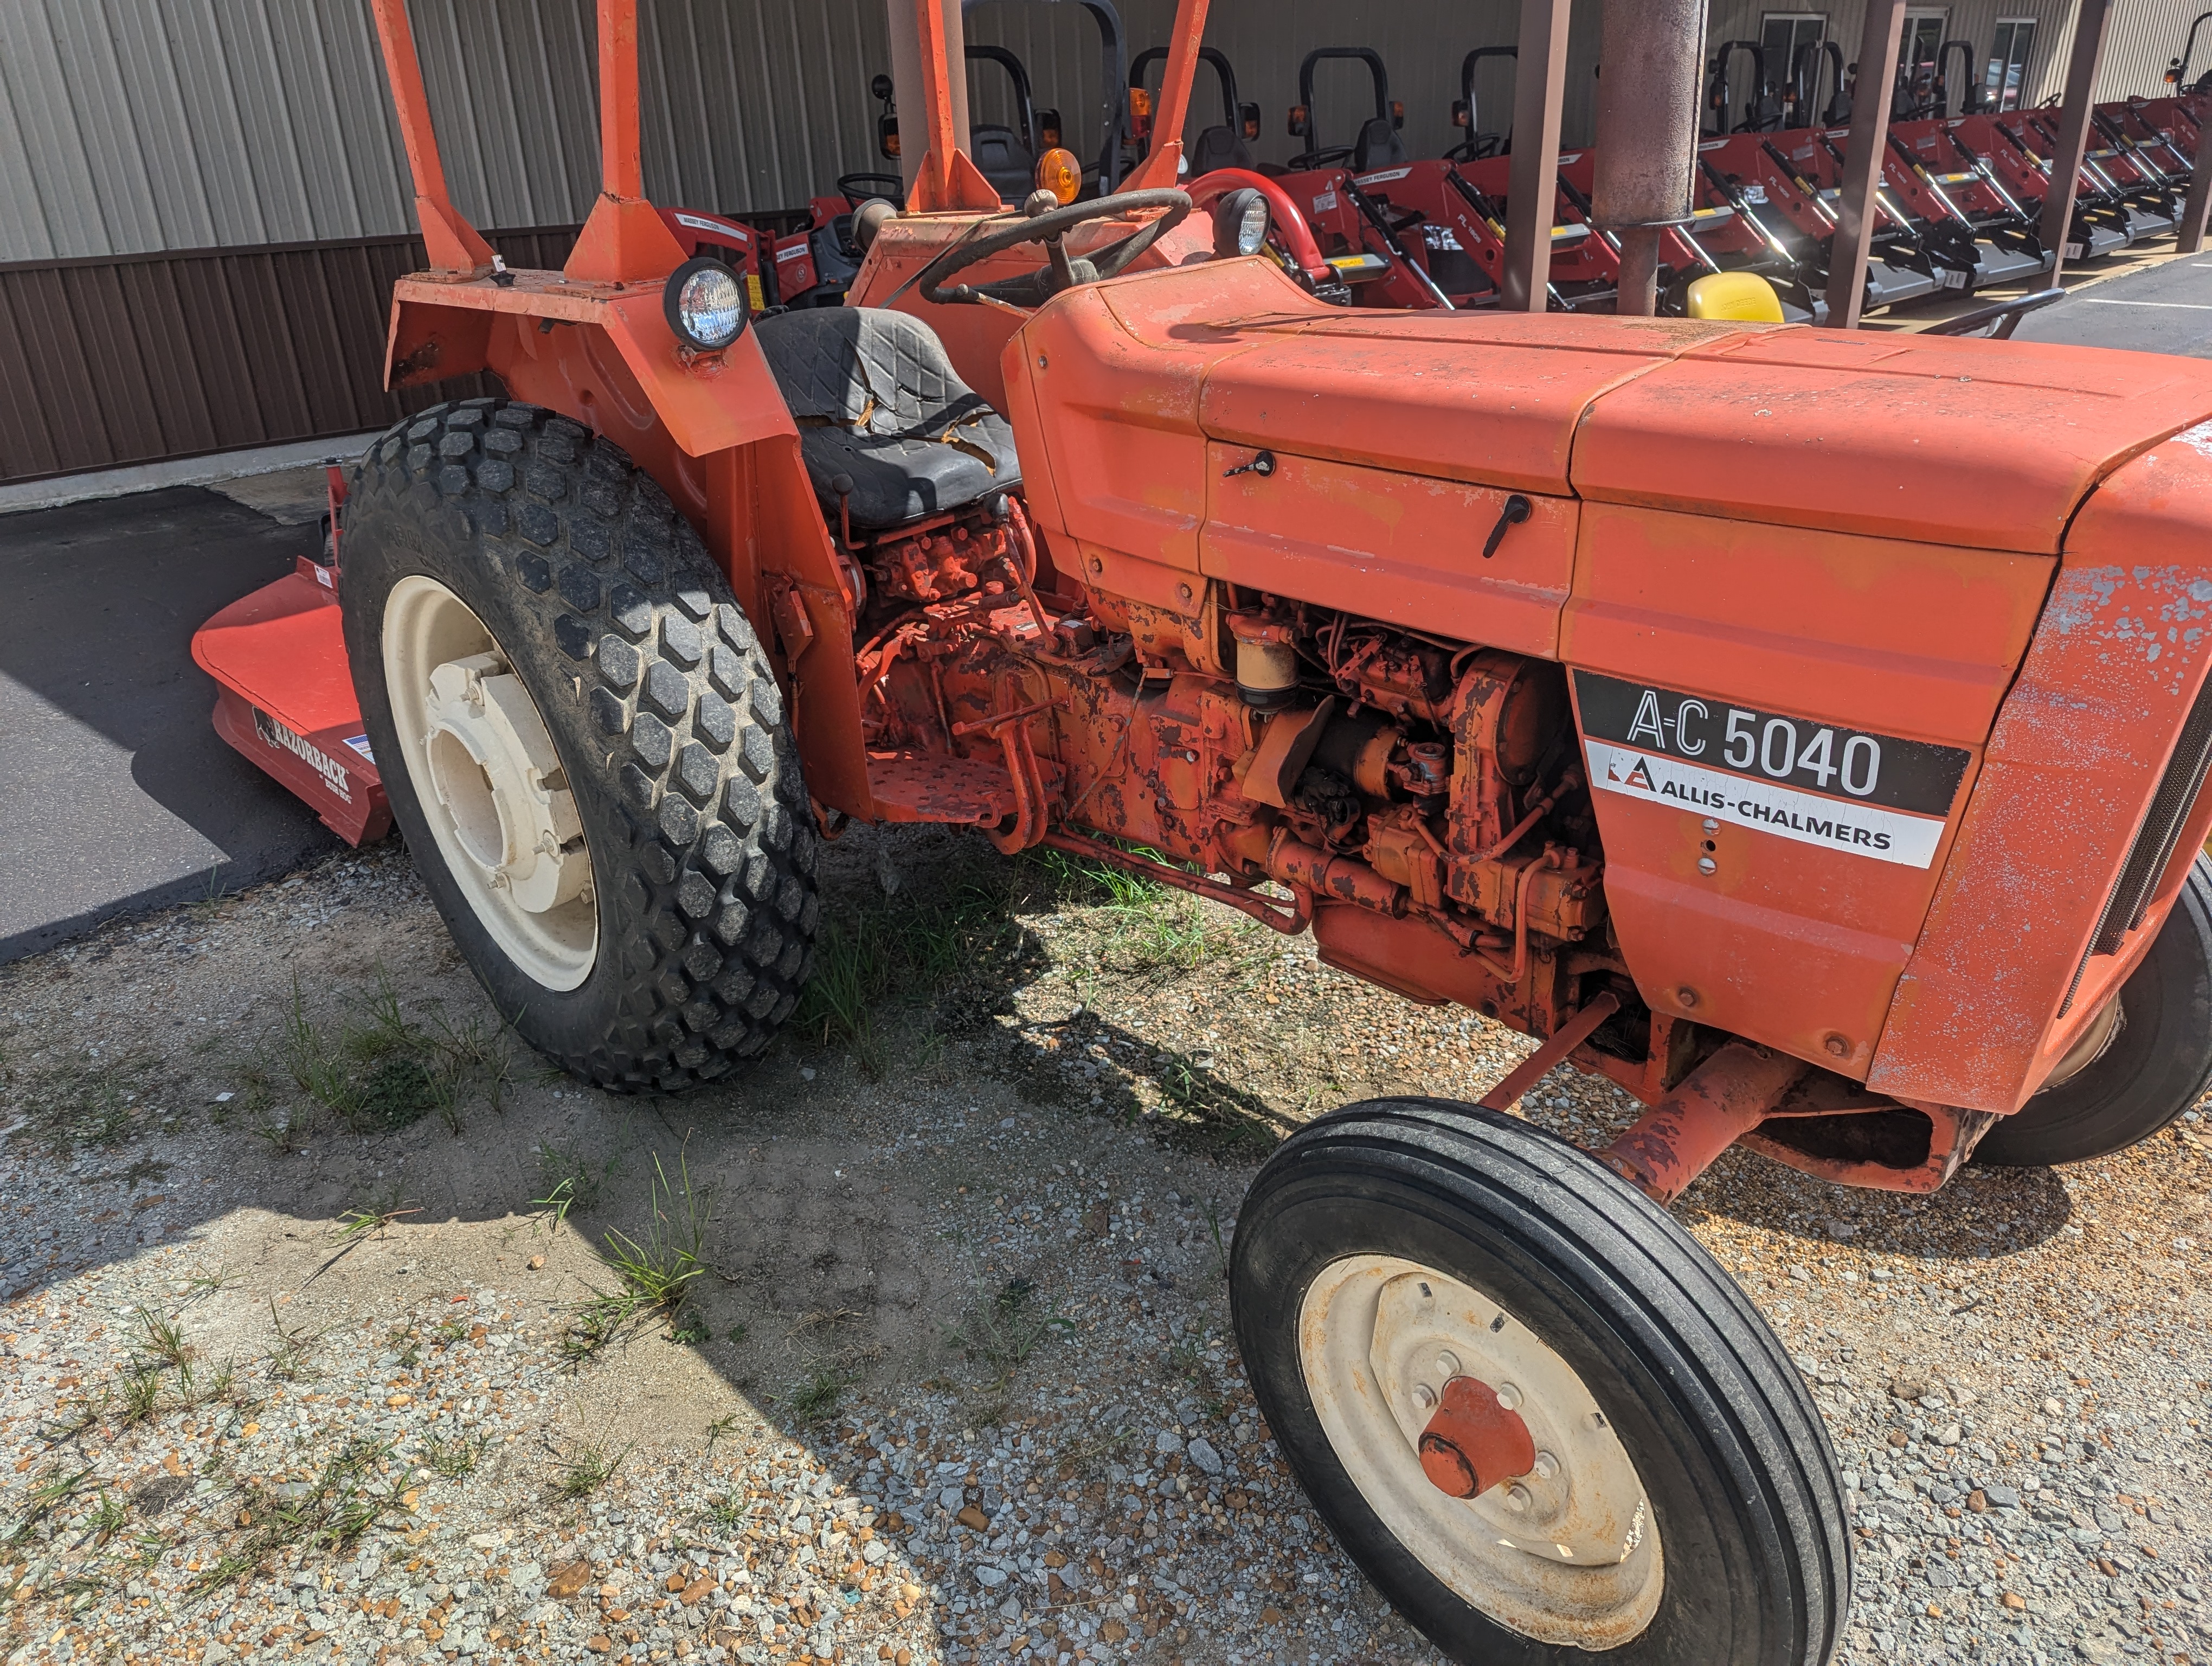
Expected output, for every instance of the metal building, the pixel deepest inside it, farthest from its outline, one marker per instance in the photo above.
(203, 203)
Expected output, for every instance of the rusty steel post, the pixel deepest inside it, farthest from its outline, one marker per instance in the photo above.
(2193, 210)
(1539, 88)
(1647, 133)
(908, 81)
(1722, 1100)
(2074, 130)
(1856, 209)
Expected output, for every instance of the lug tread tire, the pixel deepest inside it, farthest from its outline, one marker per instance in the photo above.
(2155, 1069)
(1600, 1249)
(661, 704)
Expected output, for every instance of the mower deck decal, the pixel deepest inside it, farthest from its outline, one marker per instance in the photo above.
(1843, 768)
(1860, 830)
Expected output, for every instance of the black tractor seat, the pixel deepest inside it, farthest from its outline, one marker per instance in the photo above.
(881, 411)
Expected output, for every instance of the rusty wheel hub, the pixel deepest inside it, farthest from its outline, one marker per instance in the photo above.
(1475, 1442)
(1482, 1450)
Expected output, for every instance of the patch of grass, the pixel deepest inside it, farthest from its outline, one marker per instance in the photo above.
(571, 1181)
(162, 1339)
(1220, 1247)
(375, 1069)
(725, 1515)
(82, 1100)
(328, 1513)
(815, 1399)
(456, 1455)
(944, 946)
(109, 1517)
(725, 1424)
(693, 1331)
(584, 1469)
(288, 1362)
(140, 1394)
(657, 1269)
(1003, 1331)
(836, 1007)
(49, 1490)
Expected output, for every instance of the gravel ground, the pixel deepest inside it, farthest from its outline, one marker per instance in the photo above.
(314, 1351)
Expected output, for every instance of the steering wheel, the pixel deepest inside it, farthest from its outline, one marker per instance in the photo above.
(857, 188)
(1061, 270)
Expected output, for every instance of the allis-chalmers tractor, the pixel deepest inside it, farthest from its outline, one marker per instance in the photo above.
(1800, 729)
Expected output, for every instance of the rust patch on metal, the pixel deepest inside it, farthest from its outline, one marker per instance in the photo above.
(1474, 1442)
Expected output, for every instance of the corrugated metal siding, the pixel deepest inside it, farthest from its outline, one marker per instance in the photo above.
(112, 361)
(2143, 36)
(1974, 20)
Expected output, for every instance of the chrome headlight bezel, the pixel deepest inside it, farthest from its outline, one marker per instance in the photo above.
(704, 320)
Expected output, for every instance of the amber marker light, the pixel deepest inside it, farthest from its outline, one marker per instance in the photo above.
(1059, 173)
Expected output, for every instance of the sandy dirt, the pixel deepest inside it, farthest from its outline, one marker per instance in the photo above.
(310, 1352)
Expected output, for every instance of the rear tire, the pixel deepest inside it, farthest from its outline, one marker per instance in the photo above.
(2154, 1067)
(1675, 1426)
(500, 539)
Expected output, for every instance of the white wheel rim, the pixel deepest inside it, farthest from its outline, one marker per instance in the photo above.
(484, 768)
(1571, 1557)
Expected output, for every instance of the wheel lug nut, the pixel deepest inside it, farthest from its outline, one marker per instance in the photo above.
(1424, 1395)
(1516, 1499)
(1447, 1363)
(1509, 1396)
(1546, 1466)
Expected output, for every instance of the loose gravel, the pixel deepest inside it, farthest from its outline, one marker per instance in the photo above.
(952, 1380)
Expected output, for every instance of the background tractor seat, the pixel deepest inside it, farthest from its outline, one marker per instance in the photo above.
(1378, 146)
(1219, 146)
(877, 401)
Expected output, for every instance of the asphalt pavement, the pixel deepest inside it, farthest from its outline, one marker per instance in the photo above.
(2166, 309)
(115, 793)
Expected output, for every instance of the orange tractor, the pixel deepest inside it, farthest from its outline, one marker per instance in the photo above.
(1802, 730)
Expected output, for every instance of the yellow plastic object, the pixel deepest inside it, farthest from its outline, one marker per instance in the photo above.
(1059, 173)
(1744, 296)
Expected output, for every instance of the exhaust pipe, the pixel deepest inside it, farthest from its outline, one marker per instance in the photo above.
(1647, 132)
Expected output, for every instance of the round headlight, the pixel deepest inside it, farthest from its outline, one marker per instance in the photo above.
(1241, 222)
(706, 304)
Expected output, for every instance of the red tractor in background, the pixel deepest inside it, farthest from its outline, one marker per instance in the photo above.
(1805, 733)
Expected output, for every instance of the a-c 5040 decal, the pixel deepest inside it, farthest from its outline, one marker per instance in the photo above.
(1873, 795)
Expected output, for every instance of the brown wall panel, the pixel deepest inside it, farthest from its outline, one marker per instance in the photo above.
(108, 361)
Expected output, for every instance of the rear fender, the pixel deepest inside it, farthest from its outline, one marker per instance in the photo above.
(711, 429)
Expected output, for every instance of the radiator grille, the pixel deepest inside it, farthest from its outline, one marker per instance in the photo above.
(2155, 839)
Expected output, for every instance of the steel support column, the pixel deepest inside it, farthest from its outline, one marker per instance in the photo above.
(1539, 82)
(1857, 209)
(907, 80)
(2199, 200)
(2074, 129)
(1647, 133)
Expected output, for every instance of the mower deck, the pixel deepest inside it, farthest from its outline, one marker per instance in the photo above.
(285, 698)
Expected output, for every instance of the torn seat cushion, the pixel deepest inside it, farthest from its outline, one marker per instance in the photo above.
(876, 400)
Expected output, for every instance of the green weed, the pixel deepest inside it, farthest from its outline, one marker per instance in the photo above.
(814, 1399)
(328, 1513)
(456, 1455)
(584, 1469)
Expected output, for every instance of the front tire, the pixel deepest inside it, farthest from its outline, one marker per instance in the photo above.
(2154, 1065)
(583, 743)
(1684, 1508)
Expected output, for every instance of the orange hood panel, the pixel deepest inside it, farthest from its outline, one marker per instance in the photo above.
(1986, 445)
